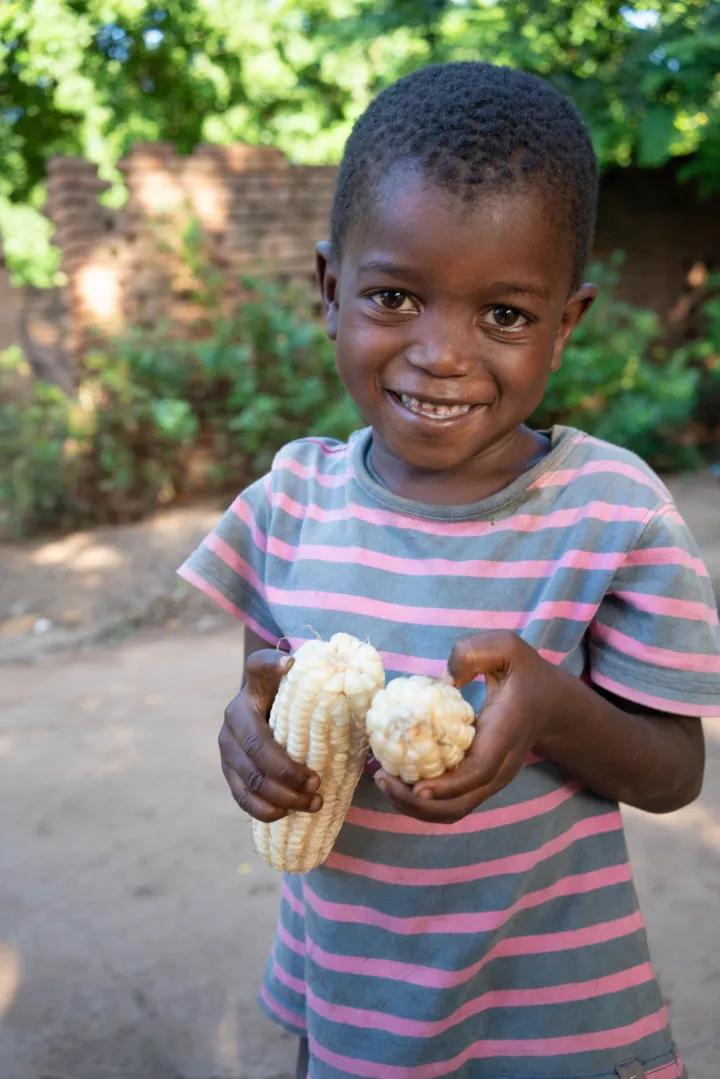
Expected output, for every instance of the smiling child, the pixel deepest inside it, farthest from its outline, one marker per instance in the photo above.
(483, 925)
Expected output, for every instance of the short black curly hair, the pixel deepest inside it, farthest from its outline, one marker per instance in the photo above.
(470, 127)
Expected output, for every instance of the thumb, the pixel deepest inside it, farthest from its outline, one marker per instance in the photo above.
(491, 654)
(263, 673)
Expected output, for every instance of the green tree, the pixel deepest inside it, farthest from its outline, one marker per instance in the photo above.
(92, 77)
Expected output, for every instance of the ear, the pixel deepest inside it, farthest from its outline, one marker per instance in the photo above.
(328, 276)
(575, 310)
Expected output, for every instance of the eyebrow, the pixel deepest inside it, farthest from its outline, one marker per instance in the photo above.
(389, 268)
(393, 270)
(541, 291)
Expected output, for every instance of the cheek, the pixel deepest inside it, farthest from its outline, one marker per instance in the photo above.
(524, 368)
(362, 351)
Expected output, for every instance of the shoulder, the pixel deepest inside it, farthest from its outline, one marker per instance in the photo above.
(310, 462)
(595, 470)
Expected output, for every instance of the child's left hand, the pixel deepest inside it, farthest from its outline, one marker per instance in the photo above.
(519, 686)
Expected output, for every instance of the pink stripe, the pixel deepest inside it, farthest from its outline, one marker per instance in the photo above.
(283, 1013)
(615, 468)
(671, 608)
(519, 522)
(296, 984)
(349, 603)
(327, 450)
(436, 978)
(443, 567)
(669, 513)
(467, 922)
(233, 561)
(619, 1038)
(369, 1019)
(194, 579)
(476, 822)
(666, 556)
(296, 905)
(673, 1070)
(398, 663)
(494, 867)
(243, 512)
(659, 704)
(291, 942)
(311, 472)
(701, 663)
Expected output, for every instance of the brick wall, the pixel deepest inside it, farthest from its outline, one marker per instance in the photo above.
(261, 214)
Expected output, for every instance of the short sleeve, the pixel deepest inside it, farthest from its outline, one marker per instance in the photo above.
(229, 565)
(655, 637)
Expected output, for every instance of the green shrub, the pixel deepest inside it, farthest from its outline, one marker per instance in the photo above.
(35, 485)
(618, 383)
(157, 417)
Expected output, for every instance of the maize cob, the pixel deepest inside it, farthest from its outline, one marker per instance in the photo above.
(419, 728)
(319, 717)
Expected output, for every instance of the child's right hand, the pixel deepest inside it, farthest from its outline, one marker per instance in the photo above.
(263, 779)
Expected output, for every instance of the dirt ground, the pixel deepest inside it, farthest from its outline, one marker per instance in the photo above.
(134, 919)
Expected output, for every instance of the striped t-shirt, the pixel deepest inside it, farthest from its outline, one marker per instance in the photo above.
(508, 945)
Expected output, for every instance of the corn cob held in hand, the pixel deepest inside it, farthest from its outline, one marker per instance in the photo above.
(419, 728)
(319, 718)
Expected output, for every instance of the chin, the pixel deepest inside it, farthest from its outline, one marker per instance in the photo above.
(426, 456)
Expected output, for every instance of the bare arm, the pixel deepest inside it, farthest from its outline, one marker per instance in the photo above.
(651, 760)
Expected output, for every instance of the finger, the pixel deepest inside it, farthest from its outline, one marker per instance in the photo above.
(251, 803)
(490, 654)
(404, 801)
(490, 776)
(272, 760)
(263, 673)
(246, 730)
(273, 792)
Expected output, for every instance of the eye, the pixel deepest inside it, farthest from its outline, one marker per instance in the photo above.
(392, 299)
(506, 318)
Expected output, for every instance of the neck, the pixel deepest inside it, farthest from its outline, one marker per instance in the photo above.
(484, 475)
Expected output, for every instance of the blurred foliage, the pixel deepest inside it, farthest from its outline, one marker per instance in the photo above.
(618, 382)
(88, 77)
(157, 418)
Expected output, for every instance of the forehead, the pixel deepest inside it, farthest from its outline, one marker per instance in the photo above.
(501, 234)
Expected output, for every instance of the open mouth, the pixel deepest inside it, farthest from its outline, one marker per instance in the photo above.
(431, 409)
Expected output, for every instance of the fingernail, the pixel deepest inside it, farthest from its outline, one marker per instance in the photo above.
(312, 785)
(316, 804)
(425, 794)
(381, 785)
(447, 678)
(284, 662)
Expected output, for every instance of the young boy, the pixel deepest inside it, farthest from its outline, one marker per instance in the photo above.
(483, 924)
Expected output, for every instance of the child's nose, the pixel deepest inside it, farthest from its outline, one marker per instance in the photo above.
(447, 352)
(447, 349)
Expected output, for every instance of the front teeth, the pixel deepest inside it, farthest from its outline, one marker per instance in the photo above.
(426, 409)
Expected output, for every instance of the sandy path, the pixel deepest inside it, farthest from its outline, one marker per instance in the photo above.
(134, 921)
